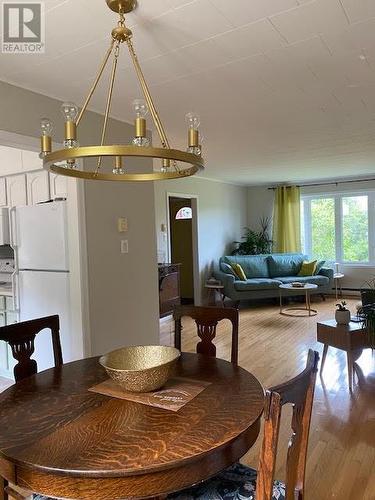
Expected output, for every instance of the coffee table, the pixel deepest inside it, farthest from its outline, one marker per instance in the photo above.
(307, 310)
(350, 338)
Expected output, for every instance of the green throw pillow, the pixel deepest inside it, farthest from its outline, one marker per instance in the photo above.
(240, 273)
(308, 268)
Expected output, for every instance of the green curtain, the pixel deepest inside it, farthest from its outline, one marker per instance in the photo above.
(287, 220)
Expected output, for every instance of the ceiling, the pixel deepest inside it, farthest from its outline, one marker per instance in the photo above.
(285, 88)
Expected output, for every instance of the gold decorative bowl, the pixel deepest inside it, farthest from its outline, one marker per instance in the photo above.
(141, 368)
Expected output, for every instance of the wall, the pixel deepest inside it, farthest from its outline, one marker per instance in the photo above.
(119, 308)
(259, 204)
(222, 210)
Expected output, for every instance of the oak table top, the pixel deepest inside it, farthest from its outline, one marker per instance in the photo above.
(59, 439)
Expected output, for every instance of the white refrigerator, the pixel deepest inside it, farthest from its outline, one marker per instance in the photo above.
(40, 241)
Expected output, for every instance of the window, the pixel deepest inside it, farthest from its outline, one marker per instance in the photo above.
(355, 229)
(184, 213)
(323, 234)
(337, 227)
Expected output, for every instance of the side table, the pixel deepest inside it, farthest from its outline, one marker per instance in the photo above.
(212, 289)
(337, 277)
(350, 338)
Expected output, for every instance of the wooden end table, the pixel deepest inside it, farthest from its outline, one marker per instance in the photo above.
(350, 338)
(307, 310)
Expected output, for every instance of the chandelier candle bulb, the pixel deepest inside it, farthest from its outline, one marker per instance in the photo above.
(118, 170)
(166, 164)
(45, 139)
(193, 138)
(140, 127)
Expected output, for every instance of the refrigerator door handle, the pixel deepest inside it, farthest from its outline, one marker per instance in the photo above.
(15, 288)
(13, 227)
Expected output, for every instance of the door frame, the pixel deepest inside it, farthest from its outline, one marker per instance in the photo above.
(194, 205)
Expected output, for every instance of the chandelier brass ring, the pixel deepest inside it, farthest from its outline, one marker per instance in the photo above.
(195, 163)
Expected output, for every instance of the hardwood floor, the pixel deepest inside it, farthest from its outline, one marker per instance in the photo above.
(341, 457)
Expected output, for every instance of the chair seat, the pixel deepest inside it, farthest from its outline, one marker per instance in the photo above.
(236, 483)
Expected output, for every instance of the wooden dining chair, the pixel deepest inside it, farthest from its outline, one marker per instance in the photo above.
(21, 338)
(207, 319)
(241, 482)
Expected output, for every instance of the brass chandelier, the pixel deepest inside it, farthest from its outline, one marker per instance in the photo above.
(174, 163)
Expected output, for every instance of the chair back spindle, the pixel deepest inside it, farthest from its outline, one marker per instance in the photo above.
(299, 392)
(21, 338)
(207, 319)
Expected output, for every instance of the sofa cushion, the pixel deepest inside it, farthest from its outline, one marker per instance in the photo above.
(256, 284)
(308, 268)
(319, 266)
(254, 266)
(227, 268)
(315, 280)
(285, 264)
(239, 272)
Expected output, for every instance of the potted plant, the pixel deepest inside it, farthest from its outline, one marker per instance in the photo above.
(367, 315)
(255, 242)
(342, 315)
(368, 292)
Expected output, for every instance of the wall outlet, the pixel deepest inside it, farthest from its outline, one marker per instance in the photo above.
(124, 246)
(122, 224)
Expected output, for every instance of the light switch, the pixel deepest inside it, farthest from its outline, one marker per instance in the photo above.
(124, 246)
(122, 224)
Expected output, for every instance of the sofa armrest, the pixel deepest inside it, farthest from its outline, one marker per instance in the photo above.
(328, 272)
(227, 279)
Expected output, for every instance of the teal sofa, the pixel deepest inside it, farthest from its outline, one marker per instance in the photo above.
(265, 273)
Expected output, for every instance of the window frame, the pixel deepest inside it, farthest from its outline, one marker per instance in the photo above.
(338, 202)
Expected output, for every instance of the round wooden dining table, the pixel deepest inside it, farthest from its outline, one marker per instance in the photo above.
(61, 440)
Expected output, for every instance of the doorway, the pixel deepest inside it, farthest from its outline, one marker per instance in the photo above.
(182, 226)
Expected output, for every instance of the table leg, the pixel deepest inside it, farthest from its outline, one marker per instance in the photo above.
(325, 350)
(337, 295)
(308, 302)
(350, 369)
(3, 485)
(281, 302)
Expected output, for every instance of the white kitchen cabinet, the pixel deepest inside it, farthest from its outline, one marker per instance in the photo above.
(58, 185)
(37, 187)
(16, 190)
(3, 192)
(11, 160)
(31, 161)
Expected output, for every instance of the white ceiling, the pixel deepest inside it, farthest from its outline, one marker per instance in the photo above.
(285, 88)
